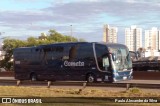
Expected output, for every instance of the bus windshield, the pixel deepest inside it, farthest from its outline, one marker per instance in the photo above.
(122, 59)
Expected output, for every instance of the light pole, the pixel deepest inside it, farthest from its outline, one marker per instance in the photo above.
(71, 33)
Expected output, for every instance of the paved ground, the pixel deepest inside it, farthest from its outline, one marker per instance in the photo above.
(141, 81)
(131, 81)
(114, 89)
(7, 78)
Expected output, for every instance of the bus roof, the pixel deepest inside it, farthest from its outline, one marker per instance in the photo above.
(62, 43)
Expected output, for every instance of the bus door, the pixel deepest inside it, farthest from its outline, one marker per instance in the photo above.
(103, 62)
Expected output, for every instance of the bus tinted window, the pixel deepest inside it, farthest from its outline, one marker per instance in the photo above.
(73, 52)
(85, 52)
(53, 53)
(81, 52)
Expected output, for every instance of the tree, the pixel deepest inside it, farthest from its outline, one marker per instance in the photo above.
(31, 41)
(8, 46)
(11, 44)
(82, 40)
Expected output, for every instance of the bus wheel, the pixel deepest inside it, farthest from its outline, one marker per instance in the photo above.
(90, 78)
(33, 77)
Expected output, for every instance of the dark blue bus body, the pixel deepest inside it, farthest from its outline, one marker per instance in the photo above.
(79, 61)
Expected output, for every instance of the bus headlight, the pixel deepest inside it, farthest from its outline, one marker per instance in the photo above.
(114, 80)
(116, 74)
(131, 72)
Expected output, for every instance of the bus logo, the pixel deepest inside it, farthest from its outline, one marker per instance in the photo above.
(79, 63)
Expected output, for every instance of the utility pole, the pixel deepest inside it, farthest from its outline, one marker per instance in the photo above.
(71, 33)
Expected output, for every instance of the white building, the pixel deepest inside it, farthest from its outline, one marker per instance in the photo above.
(148, 53)
(152, 39)
(133, 38)
(110, 34)
(2, 54)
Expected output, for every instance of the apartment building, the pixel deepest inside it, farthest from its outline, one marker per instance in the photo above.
(110, 34)
(152, 39)
(133, 38)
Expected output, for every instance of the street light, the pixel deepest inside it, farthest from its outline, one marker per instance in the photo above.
(71, 33)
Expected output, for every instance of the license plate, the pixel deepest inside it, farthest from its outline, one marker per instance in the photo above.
(124, 78)
(99, 79)
(106, 77)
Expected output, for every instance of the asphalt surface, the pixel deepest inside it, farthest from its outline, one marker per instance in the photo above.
(127, 81)
(141, 81)
(7, 78)
(147, 85)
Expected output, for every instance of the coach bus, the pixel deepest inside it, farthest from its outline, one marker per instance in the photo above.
(76, 61)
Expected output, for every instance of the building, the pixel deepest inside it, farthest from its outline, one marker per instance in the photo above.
(2, 54)
(152, 39)
(110, 34)
(133, 38)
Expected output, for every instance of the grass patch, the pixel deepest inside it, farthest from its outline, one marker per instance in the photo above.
(135, 90)
(56, 92)
(71, 97)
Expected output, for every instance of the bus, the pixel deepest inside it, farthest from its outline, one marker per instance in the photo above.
(74, 61)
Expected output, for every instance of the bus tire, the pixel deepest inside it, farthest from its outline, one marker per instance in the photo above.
(91, 78)
(33, 77)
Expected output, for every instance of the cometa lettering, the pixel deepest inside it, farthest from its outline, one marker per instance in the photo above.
(79, 63)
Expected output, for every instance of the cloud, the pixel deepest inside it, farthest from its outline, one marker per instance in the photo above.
(87, 16)
(23, 17)
(91, 11)
(85, 12)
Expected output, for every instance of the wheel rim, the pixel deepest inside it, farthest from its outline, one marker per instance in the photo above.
(90, 78)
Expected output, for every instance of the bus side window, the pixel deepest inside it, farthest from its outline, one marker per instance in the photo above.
(72, 53)
(85, 53)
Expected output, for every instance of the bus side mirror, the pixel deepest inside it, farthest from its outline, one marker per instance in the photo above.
(113, 57)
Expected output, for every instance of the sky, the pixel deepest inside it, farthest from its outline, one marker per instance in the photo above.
(21, 19)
